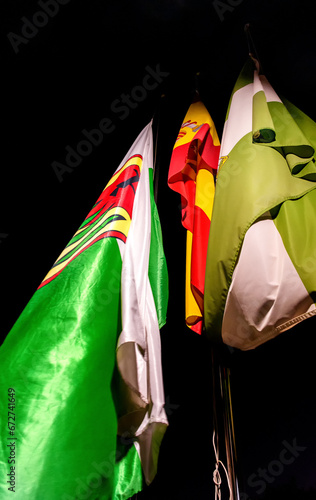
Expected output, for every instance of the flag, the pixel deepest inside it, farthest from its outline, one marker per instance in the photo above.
(261, 262)
(192, 170)
(65, 394)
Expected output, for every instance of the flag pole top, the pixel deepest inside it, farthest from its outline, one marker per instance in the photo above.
(196, 96)
(252, 51)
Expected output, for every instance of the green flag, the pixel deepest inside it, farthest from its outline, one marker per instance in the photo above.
(82, 403)
(261, 263)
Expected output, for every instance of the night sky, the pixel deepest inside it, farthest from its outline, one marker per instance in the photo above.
(77, 70)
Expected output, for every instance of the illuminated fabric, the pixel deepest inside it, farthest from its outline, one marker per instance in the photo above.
(260, 272)
(105, 298)
(191, 173)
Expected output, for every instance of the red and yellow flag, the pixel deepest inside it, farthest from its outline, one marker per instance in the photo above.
(192, 173)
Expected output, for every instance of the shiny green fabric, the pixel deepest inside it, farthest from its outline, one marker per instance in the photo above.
(127, 475)
(59, 358)
(157, 267)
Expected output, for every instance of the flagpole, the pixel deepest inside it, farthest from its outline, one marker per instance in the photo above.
(156, 124)
(222, 374)
(223, 422)
(252, 51)
(229, 430)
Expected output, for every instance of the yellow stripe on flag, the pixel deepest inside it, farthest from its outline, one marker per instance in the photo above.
(192, 173)
(192, 310)
(205, 191)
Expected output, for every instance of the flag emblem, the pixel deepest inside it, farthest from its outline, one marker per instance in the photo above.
(109, 217)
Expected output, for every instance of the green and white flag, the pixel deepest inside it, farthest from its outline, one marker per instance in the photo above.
(261, 263)
(82, 363)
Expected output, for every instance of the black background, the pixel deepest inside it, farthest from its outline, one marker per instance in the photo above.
(65, 78)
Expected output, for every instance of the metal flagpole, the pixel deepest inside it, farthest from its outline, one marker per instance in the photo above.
(222, 397)
(229, 430)
(222, 403)
(251, 46)
(156, 123)
(223, 422)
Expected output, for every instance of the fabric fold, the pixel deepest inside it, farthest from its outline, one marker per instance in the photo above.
(270, 176)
